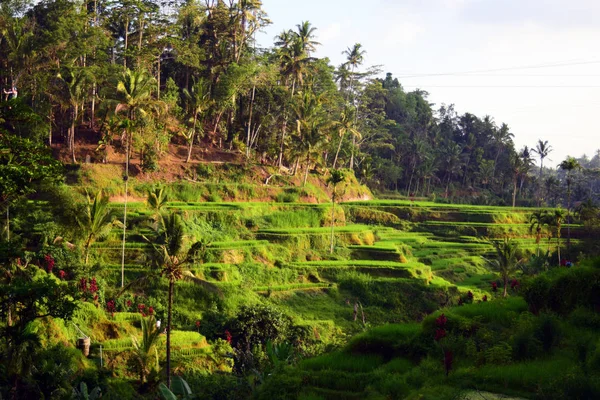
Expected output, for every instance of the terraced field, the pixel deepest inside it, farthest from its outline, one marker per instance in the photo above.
(279, 251)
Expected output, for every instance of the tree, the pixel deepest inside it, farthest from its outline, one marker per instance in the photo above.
(354, 58)
(95, 222)
(345, 125)
(506, 261)
(75, 83)
(542, 149)
(198, 102)
(569, 165)
(555, 220)
(538, 220)
(144, 354)
(334, 179)
(169, 256)
(134, 96)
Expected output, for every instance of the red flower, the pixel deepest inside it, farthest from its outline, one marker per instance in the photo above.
(93, 285)
(198, 324)
(440, 334)
(494, 287)
(228, 336)
(62, 274)
(141, 308)
(83, 285)
(514, 284)
(150, 311)
(49, 261)
(441, 321)
(144, 315)
(470, 295)
(128, 303)
(111, 307)
(484, 298)
(96, 298)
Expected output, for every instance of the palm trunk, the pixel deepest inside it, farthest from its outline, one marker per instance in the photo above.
(126, 178)
(505, 286)
(189, 156)
(332, 221)
(558, 246)
(72, 143)
(514, 196)
(250, 122)
(337, 153)
(307, 168)
(87, 249)
(169, 316)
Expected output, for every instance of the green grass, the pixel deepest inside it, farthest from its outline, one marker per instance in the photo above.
(341, 361)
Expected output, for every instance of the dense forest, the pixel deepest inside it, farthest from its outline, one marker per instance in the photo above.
(140, 74)
(186, 214)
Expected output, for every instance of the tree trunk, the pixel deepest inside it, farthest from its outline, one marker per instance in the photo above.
(337, 153)
(189, 156)
(569, 218)
(352, 153)
(126, 178)
(514, 196)
(558, 246)
(307, 168)
(169, 317)
(332, 220)
(505, 286)
(250, 122)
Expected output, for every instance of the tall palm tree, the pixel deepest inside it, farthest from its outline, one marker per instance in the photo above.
(156, 201)
(506, 261)
(169, 255)
(310, 125)
(134, 97)
(555, 220)
(538, 220)
(198, 102)
(74, 82)
(354, 58)
(542, 149)
(334, 179)
(569, 165)
(345, 125)
(95, 221)
(306, 34)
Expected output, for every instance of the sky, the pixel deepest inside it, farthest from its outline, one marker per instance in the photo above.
(532, 64)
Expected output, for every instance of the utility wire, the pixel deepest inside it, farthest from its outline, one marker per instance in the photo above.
(553, 65)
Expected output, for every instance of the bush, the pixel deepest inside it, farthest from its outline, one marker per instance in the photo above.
(149, 159)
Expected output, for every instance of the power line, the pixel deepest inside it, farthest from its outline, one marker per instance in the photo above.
(553, 65)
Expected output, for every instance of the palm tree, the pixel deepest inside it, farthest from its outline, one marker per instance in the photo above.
(354, 58)
(156, 200)
(306, 34)
(134, 96)
(74, 91)
(537, 220)
(542, 149)
(145, 354)
(569, 164)
(168, 255)
(95, 221)
(310, 124)
(555, 220)
(198, 100)
(506, 261)
(334, 179)
(345, 125)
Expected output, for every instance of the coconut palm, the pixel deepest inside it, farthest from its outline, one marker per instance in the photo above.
(555, 220)
(198, 101)
(345, 125)
(538, 220)
(506, 261)
(354, 58)
(569, 165)
(542, 149)
(310, 125)
(95, 221)
(134, 97)
(170, 256)
(306, 34)
(156, 201)
(74, 90)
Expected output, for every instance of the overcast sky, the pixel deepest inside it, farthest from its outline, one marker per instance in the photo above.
(534, 64)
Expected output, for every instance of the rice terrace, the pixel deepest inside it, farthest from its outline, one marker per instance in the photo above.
(195, 206)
